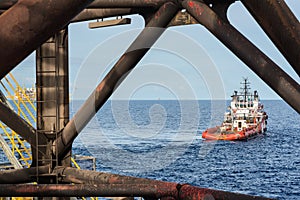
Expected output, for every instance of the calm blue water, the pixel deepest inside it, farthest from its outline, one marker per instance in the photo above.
(162, 140)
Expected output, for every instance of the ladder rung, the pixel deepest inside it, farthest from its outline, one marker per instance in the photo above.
(46, 101)
(25, 159)
(46, 159)
(46, 116)
(46, 56)
(46, 131)
(44, 72)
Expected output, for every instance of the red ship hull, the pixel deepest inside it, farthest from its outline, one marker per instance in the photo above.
(215, 134)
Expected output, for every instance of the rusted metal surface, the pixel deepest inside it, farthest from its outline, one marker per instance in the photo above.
(128, 61)
(188, 192)
(127, 3)
(72, 175)
(16, 123)
(256, 60)
(52, 83)
(29, 23)
(68, 175)
(112, 190)
(281, 26)
(17, 176)
(156, 190)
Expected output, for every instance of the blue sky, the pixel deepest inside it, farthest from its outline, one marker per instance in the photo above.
(187, 62)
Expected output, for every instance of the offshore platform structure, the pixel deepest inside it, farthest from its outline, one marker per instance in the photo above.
(42, 25)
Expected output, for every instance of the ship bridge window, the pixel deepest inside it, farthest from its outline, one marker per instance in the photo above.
(240, 125)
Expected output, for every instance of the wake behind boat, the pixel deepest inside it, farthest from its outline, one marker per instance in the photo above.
(246, 117)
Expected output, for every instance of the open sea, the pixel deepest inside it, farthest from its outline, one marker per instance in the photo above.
(162, 140)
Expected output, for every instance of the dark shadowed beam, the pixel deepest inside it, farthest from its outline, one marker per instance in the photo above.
(281, 25)
(89, 14)
(17, 176)
(127, 62)
(6, 4)
(256, 60)
(127, 3)
(17, 124)
(28, 24)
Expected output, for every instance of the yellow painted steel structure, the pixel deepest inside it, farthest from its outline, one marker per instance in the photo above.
(25, 108)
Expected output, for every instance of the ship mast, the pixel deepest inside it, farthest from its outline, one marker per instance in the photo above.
(245, 88)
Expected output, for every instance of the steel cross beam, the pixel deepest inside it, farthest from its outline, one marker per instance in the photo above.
(29, 23)
(281, 26)
(26, 175)
(128, 61)
(17, 124)
(126, 3)
(155, 190)
(256, 60)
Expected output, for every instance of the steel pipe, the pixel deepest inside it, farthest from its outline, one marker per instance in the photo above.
(16, 123)
(126, 3)
(17, 176)
(256, 60)
(128, 61)
(72, 175)
(29, 23)
(157, 190)
(102, 190)
(281, 25)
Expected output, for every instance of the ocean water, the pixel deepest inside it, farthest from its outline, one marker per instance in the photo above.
(162, 140)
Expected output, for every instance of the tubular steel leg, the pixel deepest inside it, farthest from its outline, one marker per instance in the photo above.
(52, 77)
(281, 25)
(265, 68)
(128, 61)
(28, 24)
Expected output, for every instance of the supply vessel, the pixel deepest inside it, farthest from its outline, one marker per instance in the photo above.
(246, 117)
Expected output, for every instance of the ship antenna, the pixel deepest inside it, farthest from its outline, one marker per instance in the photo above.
(245, 88)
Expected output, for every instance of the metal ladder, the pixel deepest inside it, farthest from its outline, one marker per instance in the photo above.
(47, 122)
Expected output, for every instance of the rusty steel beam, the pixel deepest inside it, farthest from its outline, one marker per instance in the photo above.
(281, 25)
(17, 176)
(127, 3)
(156, 190)
(28, 24)
(102, 190)
(188, 192)
(256, 60)
(128, 61)
(89, 14)
(17, 124)
(73, 175)
(77, 176)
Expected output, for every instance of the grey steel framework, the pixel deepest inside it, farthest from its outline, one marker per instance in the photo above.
(42, 25)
